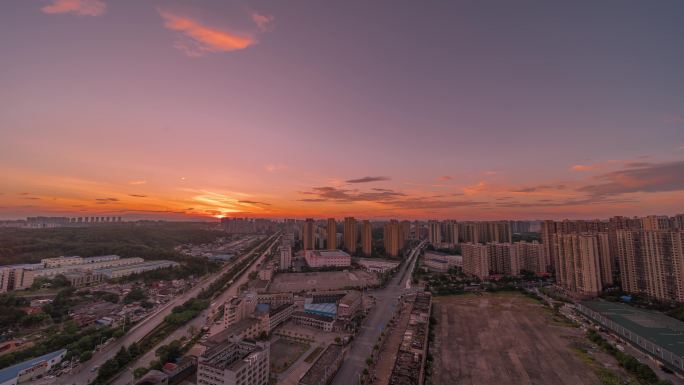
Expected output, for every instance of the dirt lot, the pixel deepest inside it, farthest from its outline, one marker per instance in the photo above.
(284, 353)
(324, 280)
(504, 339)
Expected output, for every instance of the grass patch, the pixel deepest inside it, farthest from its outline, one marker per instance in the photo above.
(606, 376)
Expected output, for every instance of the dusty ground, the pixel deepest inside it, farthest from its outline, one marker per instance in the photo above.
(324, 280)
(504, 339)
(284, 353)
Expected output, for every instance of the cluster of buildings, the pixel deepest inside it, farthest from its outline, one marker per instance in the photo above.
(79, 271)
(485, 260)
(239, 354)
(249, 225)
(646, 253)
(251, 314)
(356, 237)
(450, 233)
(53, 222)
(409, 366)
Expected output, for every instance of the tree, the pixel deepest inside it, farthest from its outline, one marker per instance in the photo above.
(135, 295)
(122, 357)
(85, 356)
(139, 372)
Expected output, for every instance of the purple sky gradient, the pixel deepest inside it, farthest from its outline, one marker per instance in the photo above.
(499, 96)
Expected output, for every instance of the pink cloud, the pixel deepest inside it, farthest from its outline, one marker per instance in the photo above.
(197, 39)
(444, 178)
(263, 22)
(583, 167)
(77, 7)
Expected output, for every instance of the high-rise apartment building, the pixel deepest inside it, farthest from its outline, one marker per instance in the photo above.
(434, 233)
(417, 230)
(405, 229)
(366, 238)
(308, 235)
(531, 256)
(503, 259)
(475, 260)
(392, 238)
(285, 254)
(351, 232)
(652, 262)
(450, 232)
(578, 263)
(656, 222)
(331, 234)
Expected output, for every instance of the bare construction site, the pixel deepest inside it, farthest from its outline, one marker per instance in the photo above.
(504, 338)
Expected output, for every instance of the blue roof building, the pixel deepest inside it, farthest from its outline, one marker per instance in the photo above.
(324, 309)
(31, 368)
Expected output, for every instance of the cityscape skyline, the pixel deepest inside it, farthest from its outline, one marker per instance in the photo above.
(175, 111)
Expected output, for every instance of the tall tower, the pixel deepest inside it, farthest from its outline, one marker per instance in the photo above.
(392, 234)
(332, 234)
(367, 239)
(350, 234)
(434, 233)
(308, 239)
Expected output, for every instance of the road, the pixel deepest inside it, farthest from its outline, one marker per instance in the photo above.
(386, 300)
(85, 373)
(187, 330)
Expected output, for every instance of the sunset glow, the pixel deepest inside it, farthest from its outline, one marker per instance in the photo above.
(211, 109)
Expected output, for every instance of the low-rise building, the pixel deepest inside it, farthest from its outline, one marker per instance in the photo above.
(325, 367)
(234, 362)
(82, 278)
(327, 258)
(376, 265)
(349, 306)
(31, 369)
(658, 335)
(441, 262)
(317, 321)
(122, 271)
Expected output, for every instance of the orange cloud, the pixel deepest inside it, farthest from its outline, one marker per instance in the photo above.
(263, 22)
(199, 39)
(77, 7)
(475, 189)
(583, 167)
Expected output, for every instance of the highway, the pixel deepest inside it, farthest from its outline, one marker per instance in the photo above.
(386, 302)
(84, 373)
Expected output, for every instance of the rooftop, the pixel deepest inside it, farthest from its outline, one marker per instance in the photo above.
(329, 253)
(13, 371)
(329, 309)
(319, 371)
(656, 327)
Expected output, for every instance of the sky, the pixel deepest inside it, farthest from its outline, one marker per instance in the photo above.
(377, 109)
